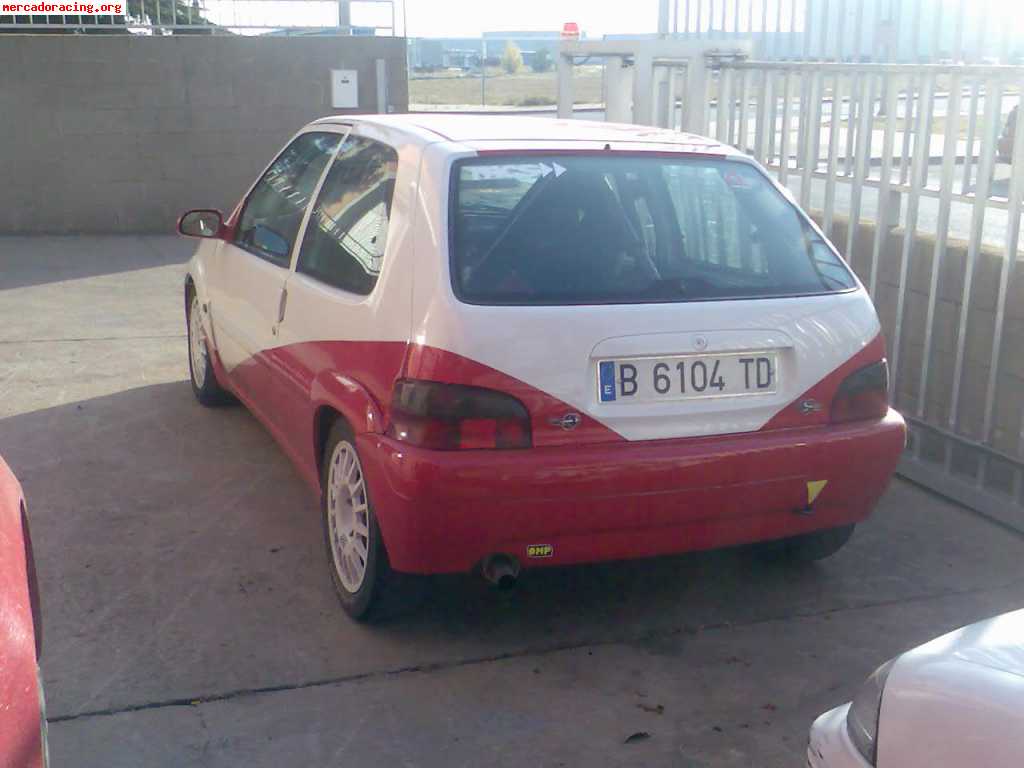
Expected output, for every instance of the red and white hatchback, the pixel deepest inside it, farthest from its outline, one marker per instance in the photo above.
(507, 342)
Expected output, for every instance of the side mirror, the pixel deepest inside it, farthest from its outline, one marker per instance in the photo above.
(204, 222)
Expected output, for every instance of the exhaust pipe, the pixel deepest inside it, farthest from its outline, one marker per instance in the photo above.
(501, 571)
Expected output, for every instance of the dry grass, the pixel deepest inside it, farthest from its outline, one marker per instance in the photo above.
(524, 89)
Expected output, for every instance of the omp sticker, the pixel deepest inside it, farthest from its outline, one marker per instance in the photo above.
(540, 550)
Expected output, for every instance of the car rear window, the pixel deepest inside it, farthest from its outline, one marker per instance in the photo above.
(602, 229)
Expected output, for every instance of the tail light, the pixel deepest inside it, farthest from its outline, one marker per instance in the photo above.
(451, 417)
(864, 394)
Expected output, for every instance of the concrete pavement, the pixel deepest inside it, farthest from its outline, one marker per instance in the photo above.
(189, 616)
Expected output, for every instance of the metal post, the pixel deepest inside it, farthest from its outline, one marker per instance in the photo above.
(784, 138)
(833, 149)
(345, 15)
(952, 132)
(813, 112)
(1009, 267)
(824, 29)
(564, 85)
(882, 224)
(919, 175)
(866, 115)
(993, 100)
(958, 32)
(663, 13)
(483, 71)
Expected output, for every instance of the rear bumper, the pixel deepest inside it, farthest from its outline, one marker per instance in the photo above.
(444, 511)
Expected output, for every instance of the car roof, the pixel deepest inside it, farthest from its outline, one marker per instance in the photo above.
(471, 129)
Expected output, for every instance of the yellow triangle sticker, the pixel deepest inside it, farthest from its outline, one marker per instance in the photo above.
(814, 489)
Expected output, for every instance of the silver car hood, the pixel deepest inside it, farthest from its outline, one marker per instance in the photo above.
(996, 643)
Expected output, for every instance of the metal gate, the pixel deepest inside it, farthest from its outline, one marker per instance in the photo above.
(916, 173)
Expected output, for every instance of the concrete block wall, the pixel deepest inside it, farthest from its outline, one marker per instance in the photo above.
(120, 133)
(981, 319)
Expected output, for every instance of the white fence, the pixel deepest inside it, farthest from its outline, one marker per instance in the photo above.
(917, 174)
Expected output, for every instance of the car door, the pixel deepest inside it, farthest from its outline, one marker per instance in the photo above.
(335, 319)
(248, 296)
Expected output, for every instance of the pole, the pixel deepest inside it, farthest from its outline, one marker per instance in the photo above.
(663, 14)
(345, 15)
(483, 72)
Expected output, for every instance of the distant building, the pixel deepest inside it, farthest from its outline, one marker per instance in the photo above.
(467, 52)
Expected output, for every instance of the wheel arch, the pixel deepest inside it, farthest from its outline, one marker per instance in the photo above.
(336, 397)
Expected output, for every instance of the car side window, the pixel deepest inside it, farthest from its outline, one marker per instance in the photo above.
(348, 228)
(273, 212)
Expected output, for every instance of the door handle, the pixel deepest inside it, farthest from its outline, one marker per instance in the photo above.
(282, 305)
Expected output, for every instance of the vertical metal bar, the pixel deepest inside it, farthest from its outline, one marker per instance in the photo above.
(722, 108)
(761, 118)
(787, 81)
(791, 40)
(711, 18)
(876, 37)
(858, 30)
(958, 32)
(741, 130)
(700, 10)
(852, 113)
(833, 148)
(972, 126)
(813, 112)
(840, 37)
(993, 101)
(776, 49)
(773, 113)
(918, 175)
(736, 19)
(912, 97)
(937, 32)
(952, 132)
(982, 22)
(861, 164)
(1010, 258)
(730, 105)
(824, 29)
(896, 19)
(892, 93)
(764, 27)
(686, 21)
(808, 27)
(915, 33)
(750, 18)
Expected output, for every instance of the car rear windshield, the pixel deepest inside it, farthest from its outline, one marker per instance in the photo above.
(611, 229)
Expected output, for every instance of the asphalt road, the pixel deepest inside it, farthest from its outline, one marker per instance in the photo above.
(189, 618)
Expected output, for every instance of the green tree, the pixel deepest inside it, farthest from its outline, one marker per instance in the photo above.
(541, 61)
(512, 58)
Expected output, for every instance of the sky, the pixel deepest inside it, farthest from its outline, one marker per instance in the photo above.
(469, 18)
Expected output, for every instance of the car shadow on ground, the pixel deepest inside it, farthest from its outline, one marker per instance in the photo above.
(181, 556)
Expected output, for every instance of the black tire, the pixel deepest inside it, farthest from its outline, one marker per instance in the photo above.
(205, 386)
(364, 602)
(809, 547)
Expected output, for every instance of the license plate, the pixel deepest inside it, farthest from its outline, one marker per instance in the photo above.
(687, 377)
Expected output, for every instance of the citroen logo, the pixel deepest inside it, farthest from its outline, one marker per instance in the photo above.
(809, 406)
(700, 343)
(567, 422)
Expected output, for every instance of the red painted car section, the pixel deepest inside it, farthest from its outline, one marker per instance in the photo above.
(587, 492)
(20, 736)
(444, 511)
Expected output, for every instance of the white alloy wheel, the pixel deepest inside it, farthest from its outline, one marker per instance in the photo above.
(348, 521)
(197, 343)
